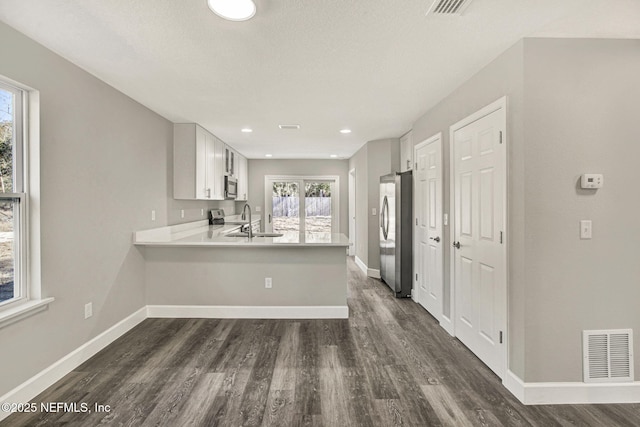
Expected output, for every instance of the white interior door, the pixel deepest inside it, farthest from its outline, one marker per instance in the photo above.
(478, 253)
(428, 232)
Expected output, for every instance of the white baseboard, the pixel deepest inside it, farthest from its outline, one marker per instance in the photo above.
(571, 393)
(371, 272)
(46, 378)
(361, 264)
(249, 312)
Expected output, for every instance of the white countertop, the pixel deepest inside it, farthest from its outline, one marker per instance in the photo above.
(201, 234)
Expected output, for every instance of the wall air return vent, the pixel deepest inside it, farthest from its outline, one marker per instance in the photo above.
(608, 355)
(448, 7)
(289, 127)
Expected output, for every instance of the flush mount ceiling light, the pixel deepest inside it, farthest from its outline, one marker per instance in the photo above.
(246, 130)
(333, 156)
(233, 10)
(345, 131)
(268, 155)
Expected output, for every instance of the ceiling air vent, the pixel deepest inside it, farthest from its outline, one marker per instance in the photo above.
(448, 7)
(289, 126)
(608, 355)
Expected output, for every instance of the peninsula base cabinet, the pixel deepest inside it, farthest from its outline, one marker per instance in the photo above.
(198, 163)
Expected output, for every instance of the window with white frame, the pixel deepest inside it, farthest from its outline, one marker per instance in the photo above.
(13, 197)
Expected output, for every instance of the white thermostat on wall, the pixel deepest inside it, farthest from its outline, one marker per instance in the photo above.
(591, 180)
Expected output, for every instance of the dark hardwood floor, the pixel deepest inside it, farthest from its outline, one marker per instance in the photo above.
(389, 364)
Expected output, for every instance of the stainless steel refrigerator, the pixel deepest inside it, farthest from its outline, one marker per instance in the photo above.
(396, 238)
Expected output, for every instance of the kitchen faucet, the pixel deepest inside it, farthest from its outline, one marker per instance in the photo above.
(248, 226)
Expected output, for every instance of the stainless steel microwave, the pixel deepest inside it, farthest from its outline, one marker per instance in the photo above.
(230, 187)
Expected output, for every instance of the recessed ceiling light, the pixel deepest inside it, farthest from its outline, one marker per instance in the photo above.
(268, 155)
(334, 156)
(345, 131)
(246, 130)
(233, 10)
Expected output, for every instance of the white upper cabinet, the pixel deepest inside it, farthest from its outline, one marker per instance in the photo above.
(406, 152)
(198, 163)
(243, 178)
(230, 161)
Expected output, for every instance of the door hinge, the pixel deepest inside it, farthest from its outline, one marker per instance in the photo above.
(501, 237)
(416, 277)
(416, 168)
(500, 337)
(416, 221)
(500, 137)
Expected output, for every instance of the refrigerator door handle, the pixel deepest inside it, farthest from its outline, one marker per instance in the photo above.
(385, 219)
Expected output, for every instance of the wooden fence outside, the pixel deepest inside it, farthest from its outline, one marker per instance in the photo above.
(290, 206)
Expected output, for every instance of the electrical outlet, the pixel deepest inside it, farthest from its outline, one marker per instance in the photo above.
(153, 215)
(268, 283)
(181, 213)
(88, 310)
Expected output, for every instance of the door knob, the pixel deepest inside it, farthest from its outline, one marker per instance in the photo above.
(456, 245)
(435, 239)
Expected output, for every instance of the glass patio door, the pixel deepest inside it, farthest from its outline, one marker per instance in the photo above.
(285, 210)
(305, 205)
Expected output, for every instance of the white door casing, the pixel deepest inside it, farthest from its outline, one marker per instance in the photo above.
(428, 235)
(352, 212)
(478, 253)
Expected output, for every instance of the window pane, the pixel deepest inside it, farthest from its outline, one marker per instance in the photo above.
(8, 212)
(7, 136)
(317, 207)
(286, 207)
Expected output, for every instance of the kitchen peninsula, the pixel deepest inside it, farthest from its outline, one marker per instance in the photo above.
(196, 270)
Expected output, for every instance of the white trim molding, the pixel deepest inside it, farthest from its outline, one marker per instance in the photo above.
(46, 378)
(361, 264)
(248, 312)
(571, 393)
(370, 272)
(23, 310)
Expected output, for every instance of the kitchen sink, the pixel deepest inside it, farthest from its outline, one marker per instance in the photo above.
(237, 234)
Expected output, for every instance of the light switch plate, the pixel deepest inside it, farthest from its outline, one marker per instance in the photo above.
(585, 229)
(373, 211)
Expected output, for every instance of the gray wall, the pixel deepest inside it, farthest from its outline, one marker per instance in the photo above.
(103, 169)
(259, 168)
(571, 109)
(581, 115)
(374, 159)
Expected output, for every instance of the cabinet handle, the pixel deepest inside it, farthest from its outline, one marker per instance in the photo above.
(408, 164)
(208, 193)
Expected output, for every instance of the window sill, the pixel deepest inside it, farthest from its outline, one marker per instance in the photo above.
(23, 311)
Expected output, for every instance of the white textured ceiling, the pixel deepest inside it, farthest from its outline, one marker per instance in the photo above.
(373, 66)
